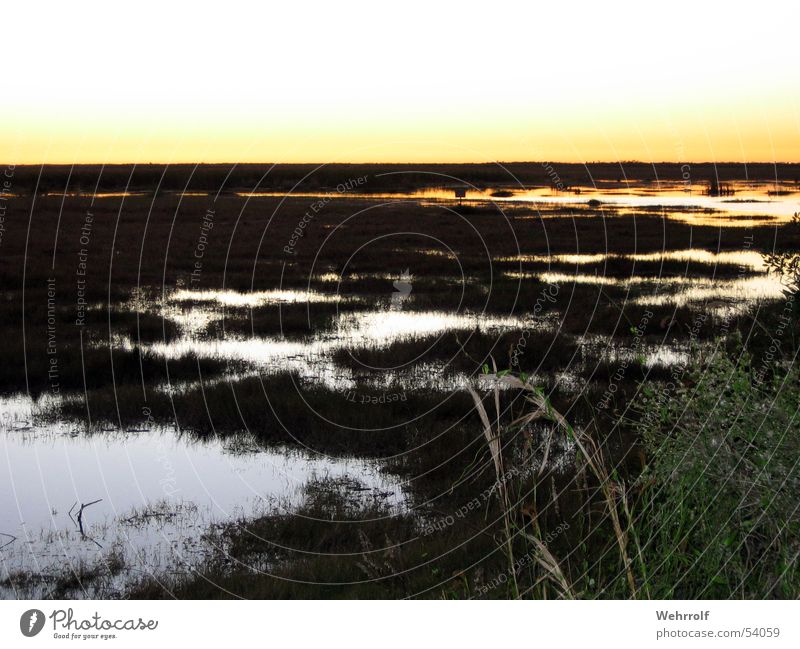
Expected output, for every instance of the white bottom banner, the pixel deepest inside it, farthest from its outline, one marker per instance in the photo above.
(399, 624)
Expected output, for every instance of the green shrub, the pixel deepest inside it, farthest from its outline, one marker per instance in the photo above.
(720, 516)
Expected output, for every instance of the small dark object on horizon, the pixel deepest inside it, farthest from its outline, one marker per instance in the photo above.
(717, 189)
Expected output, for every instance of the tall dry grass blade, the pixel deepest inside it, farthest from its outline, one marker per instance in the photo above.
(496, 396)
(492, 439)
(552, 568)
(590, 451)
(594, 459)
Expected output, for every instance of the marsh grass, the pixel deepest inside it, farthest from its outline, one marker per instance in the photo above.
(537, 406)
(711, 513)
(720, 518)
(83, 577)
(339, 543)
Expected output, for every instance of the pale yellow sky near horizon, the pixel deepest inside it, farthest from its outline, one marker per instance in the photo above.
(355, 82)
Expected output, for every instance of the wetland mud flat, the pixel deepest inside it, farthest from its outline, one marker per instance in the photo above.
(191, 382)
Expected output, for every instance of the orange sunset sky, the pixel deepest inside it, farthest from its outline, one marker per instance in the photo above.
(357, 82)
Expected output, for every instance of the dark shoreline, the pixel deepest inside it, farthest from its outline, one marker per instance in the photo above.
(382, 177)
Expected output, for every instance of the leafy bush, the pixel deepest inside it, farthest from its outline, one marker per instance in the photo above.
(720, 517)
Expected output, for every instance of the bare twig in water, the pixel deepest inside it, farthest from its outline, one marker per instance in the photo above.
(71, 509)
(7, 543)
(79, 519)
(80, 512)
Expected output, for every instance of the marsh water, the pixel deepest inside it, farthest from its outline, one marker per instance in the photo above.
(149, 493)
(688, 201)
(158, 496)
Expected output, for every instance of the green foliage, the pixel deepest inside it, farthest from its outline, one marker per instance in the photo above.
(720, 516)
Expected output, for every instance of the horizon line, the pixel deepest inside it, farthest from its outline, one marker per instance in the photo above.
(411, 162)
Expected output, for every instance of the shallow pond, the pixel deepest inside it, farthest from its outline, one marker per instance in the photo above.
(156, 495)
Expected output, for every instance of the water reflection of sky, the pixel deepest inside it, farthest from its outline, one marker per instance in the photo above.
(689, 202)
(749, 259)
(312, 357)
(160, 492)
(252, 298)
(779, 199)
(378, 326)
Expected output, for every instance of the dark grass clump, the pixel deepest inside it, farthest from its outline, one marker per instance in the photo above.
(80, 578)
(101, 368)
(343, 544)
(294, 321)
(721, 518)
(700, 502)
(540, 351)
(278, 409)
